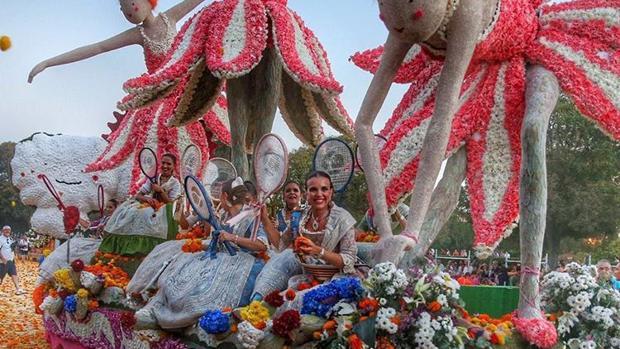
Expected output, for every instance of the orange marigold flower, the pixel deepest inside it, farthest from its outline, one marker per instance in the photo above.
(434, 306)
(355, 342)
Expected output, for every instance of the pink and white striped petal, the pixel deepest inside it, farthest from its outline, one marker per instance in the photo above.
(216, 120)
(333, 112)
(303, 56)
(416, 66)
(494, 157)
(237, 38)
(300, 112)
(186, 50)
(400, 156)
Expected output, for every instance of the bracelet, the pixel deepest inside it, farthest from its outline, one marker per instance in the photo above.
(236, 239)
(322, 253)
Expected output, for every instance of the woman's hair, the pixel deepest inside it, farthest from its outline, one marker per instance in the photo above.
(319, 174)
(114, 202)
(153, 3)
(237, 194)
(249, 185)
(172, 157)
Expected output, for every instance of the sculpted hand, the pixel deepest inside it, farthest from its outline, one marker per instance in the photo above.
(36, 70)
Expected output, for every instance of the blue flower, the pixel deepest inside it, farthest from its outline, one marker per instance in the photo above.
(214, 322)
(320, 300)
(70, 304)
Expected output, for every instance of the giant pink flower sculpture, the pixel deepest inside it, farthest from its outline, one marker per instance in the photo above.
(577, 40)
(227, 40)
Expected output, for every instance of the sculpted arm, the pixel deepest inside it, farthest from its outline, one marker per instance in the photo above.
(463, 33)
(180, 10)
(126, 38)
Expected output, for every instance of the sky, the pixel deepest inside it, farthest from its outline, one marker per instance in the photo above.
(79, 98)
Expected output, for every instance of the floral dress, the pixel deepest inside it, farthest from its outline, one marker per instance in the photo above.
(148, 126)
(338, 236)
(135, 228)
(194, 283)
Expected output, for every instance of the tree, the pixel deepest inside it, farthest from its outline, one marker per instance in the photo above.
(12, 211)
(583, 180)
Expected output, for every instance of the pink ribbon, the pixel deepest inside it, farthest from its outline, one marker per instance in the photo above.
(529, 271)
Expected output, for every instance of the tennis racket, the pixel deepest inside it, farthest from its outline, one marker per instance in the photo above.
(334, 157)
(199, 198)
(380, 142)
(191, 161)
(148, 163)
(218, 171)
(270, 169)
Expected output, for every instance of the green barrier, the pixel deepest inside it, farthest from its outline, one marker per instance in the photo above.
(493, 300)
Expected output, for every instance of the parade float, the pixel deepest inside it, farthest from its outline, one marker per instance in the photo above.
(179, 296)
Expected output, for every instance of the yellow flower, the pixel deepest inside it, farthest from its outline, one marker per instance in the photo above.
(46, 252)
(5, 43)
(255, 313)
(492, 328)
(82, 293)
(63, 278)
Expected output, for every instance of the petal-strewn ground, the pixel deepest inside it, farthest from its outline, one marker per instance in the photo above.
(20, 326)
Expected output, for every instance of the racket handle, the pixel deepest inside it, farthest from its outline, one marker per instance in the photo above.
(231, 250)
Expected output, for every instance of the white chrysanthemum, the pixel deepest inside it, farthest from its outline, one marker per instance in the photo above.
(249, 336)
(441, 299)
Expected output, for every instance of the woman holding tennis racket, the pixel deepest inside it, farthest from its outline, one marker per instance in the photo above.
(140, 224)
(194, 282)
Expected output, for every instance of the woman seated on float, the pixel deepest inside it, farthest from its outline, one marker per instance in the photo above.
(141, 223)
(291, 195)
(95, 228)
(194, 282)
(326, 233)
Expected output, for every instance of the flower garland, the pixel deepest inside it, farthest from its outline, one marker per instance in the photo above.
(192, 246)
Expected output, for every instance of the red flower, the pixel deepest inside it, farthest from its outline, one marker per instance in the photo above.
(71, 218)
(274, 299)
(355, 342)
(290, 294)
(77, 265)
(127, 319)
(285, 323)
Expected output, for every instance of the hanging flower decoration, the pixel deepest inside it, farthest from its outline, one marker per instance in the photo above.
(214, 322)
(576, 40)
(227, 40)
(63, 278)
(5, 43)
(77, 265)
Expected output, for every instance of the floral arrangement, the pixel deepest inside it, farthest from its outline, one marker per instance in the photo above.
(586, 314)
(192, 246)
(214, 322)
(256, 314)
(367, 236)
(197, 232)
(321, 300)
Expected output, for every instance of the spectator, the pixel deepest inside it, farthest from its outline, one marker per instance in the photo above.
(615, 280)
(604, 272)
(502, 275)
(23, 247)
(7, 259)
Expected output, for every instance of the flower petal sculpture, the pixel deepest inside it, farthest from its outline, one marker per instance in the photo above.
(575, 40)
(249, 43)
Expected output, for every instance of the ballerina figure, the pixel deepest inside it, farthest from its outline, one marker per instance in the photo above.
(485, 77)
(148, 126)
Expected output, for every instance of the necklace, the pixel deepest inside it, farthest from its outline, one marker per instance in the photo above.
(316, 221)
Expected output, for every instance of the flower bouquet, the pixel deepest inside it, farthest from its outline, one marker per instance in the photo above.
(587, 315)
